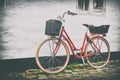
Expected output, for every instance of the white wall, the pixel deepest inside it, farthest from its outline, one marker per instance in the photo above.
(24, 24)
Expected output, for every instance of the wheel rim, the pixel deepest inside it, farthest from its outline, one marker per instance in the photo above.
(46, 59)
(98, 57)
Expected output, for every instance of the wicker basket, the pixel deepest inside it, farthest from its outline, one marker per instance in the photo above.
(53, 27)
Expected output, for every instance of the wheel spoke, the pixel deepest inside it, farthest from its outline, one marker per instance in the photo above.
(50, 57)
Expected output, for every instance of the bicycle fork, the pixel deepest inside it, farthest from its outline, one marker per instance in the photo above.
(56, 48)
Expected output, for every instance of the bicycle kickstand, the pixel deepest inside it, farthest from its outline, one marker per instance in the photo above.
(83, 60)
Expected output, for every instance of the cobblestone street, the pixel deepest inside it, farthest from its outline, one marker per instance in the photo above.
(72, 72)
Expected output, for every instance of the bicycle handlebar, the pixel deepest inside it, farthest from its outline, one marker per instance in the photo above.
(68, 13)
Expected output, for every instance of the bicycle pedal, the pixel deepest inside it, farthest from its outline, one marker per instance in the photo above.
(89, 52)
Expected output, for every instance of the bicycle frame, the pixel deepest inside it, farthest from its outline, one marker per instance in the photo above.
(65, 36)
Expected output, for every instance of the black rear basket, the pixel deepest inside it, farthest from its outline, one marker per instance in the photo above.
(53, 27)
(103, 29)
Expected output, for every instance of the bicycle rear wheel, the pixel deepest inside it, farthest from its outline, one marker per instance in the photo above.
(52, 56)
(98, 52)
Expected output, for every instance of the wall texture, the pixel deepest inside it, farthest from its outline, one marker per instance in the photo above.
(22, 24)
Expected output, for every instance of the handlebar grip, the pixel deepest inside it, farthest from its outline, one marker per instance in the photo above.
(71, 13)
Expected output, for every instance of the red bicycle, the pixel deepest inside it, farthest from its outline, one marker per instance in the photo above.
(53, 54)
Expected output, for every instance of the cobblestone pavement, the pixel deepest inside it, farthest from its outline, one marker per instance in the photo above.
(72, 72)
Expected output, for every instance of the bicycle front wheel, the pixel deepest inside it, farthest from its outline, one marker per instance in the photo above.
(52, 55)
(98, 52)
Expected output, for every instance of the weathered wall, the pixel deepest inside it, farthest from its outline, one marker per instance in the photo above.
(23, 24)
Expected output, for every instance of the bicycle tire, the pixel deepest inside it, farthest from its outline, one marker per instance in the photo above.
(97, 58)
(45, 58)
